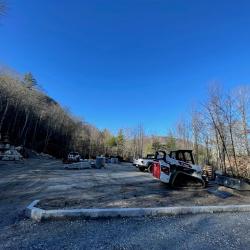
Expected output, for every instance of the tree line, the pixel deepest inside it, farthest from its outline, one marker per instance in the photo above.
(218, 130)
(31, 118)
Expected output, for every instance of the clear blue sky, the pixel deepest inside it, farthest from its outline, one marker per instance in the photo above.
(117, 63)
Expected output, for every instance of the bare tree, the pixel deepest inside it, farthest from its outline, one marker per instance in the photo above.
(196, 132)
(2, 7)
(222, 114)
(183, 133)
(215, 113)
(243, 103)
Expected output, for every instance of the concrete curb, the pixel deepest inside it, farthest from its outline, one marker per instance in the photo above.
(33, 212)
(38, 214)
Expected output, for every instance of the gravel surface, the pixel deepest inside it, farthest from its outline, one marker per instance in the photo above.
(216, 231)
(117, 185)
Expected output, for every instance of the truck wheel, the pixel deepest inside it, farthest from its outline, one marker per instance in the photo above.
(142, 169)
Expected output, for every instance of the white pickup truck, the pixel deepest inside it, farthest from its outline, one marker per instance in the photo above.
(144, 163)
(147, 163)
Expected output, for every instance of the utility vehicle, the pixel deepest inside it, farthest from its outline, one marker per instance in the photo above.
(74, 157)
(144, 163)
(178, 169)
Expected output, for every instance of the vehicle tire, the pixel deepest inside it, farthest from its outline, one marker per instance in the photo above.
(142, 169)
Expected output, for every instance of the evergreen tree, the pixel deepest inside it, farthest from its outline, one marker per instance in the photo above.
(120, 142)
(112, 142)
(29, 81)
(170, 142)
(156, 145)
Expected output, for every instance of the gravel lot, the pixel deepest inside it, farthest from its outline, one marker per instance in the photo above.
(116, 186)
(216, 231)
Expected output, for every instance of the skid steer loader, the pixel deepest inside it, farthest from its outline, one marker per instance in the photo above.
(178, 169)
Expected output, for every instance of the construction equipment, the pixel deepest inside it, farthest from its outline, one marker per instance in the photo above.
(74, 157)
(178, 169)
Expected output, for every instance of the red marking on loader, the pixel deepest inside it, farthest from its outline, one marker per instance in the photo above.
(156, 170)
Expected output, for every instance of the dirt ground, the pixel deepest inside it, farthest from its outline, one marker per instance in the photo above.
(118, 185)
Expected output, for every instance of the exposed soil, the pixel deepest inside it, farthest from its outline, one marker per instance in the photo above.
(117, 185)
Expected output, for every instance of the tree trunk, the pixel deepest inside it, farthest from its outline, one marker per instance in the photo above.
(25, 123)
(245, 131)
(4, 115)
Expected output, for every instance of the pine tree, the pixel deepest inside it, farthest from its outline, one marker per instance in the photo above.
(170, 142)
(156, 145)
(29, 81)
(112, 142)
(120, 142)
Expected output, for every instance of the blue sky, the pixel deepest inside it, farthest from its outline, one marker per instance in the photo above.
(117, 63)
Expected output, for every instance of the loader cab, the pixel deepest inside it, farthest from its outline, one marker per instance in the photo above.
(182, 155)
(160, 155)
(150, 156)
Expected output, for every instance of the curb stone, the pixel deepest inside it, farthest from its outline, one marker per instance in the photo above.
(33, 212)
(38, 214)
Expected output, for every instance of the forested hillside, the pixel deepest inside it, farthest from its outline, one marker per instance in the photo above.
(31, 118)
(217, 129)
